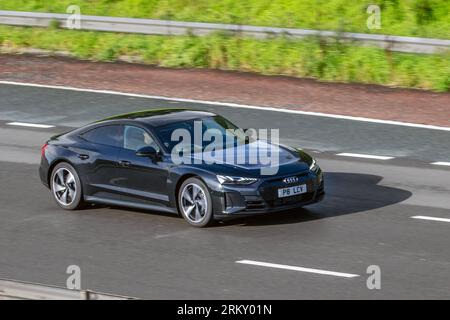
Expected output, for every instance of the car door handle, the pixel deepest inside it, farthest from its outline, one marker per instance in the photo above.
(124, 163)
(83, 156)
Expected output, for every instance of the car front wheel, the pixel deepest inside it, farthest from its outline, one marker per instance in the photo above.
(195, 203)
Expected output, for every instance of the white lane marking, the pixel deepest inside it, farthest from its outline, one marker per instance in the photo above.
(294, 268)
(365, 156)
(236, 105)
(431, 218)
(441, 163)
(32, 125)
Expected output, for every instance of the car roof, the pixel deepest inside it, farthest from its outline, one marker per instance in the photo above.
(161, 117)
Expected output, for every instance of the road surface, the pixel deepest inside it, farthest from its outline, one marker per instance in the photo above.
(366, 218)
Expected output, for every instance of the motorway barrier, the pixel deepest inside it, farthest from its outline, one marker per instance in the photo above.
(170, 27)
(20, 290)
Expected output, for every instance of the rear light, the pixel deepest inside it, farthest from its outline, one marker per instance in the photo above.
(43, 149)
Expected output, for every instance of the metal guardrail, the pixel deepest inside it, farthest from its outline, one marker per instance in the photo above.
(169, 27)
(20, 290)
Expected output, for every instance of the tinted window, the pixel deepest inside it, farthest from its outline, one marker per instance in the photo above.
(106, 135)
(229, 132)
(135, 138)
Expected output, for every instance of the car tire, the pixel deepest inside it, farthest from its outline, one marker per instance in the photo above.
(195, 203)
(66, 187)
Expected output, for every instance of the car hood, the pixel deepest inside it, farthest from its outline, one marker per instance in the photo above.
(253, 159)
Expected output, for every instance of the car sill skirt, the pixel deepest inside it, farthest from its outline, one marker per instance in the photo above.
(122, 203)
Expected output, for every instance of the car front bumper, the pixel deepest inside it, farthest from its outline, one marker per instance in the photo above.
(264, 197)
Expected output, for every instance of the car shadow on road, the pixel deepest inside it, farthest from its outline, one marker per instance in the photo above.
(346, 193)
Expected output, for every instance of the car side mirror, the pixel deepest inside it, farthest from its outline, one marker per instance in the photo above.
(148, 152)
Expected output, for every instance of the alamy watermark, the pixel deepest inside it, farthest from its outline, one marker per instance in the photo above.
(230, 146)
(74, 19)
(73, 282)
(373, 22)
(374, 280)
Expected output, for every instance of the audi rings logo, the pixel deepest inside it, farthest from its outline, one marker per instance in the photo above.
(290, 180)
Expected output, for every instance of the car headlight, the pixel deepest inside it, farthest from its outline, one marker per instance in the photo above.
(314, 166)
(235, 180)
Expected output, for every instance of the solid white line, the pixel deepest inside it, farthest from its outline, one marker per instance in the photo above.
(441, 163)
(236, 105)
(32, 125)
(431, 218)
(294, 268)
(365, 156)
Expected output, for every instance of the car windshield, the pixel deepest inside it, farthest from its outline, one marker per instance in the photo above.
(212, 128)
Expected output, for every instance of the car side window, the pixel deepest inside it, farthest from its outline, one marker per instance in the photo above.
(135, 138)
(109, 135)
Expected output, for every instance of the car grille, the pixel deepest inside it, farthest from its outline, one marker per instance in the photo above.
(280, 180)
(255, 205)
(269, 190)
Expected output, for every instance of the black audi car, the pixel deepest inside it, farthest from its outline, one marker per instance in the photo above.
(137, 160)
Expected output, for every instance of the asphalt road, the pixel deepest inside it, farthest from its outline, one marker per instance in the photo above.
(364, 220)
(72, 108)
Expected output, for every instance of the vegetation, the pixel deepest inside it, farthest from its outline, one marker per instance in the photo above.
(423, 18)
(333, 61)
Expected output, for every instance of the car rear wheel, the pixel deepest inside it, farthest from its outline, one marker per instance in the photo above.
(66, 187)
(195, 203)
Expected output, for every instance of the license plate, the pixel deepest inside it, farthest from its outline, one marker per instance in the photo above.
(291, 191)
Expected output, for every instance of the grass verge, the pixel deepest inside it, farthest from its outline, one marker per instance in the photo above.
(314, 58)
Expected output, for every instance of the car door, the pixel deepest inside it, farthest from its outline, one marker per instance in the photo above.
(99, 160)
(142, 179)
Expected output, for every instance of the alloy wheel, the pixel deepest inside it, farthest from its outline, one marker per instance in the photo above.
(64, 187)
(194, 203)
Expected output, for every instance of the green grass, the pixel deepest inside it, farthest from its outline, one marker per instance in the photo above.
(332, 61)
(423, 18)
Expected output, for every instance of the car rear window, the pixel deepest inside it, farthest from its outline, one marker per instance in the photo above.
(111, 135)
